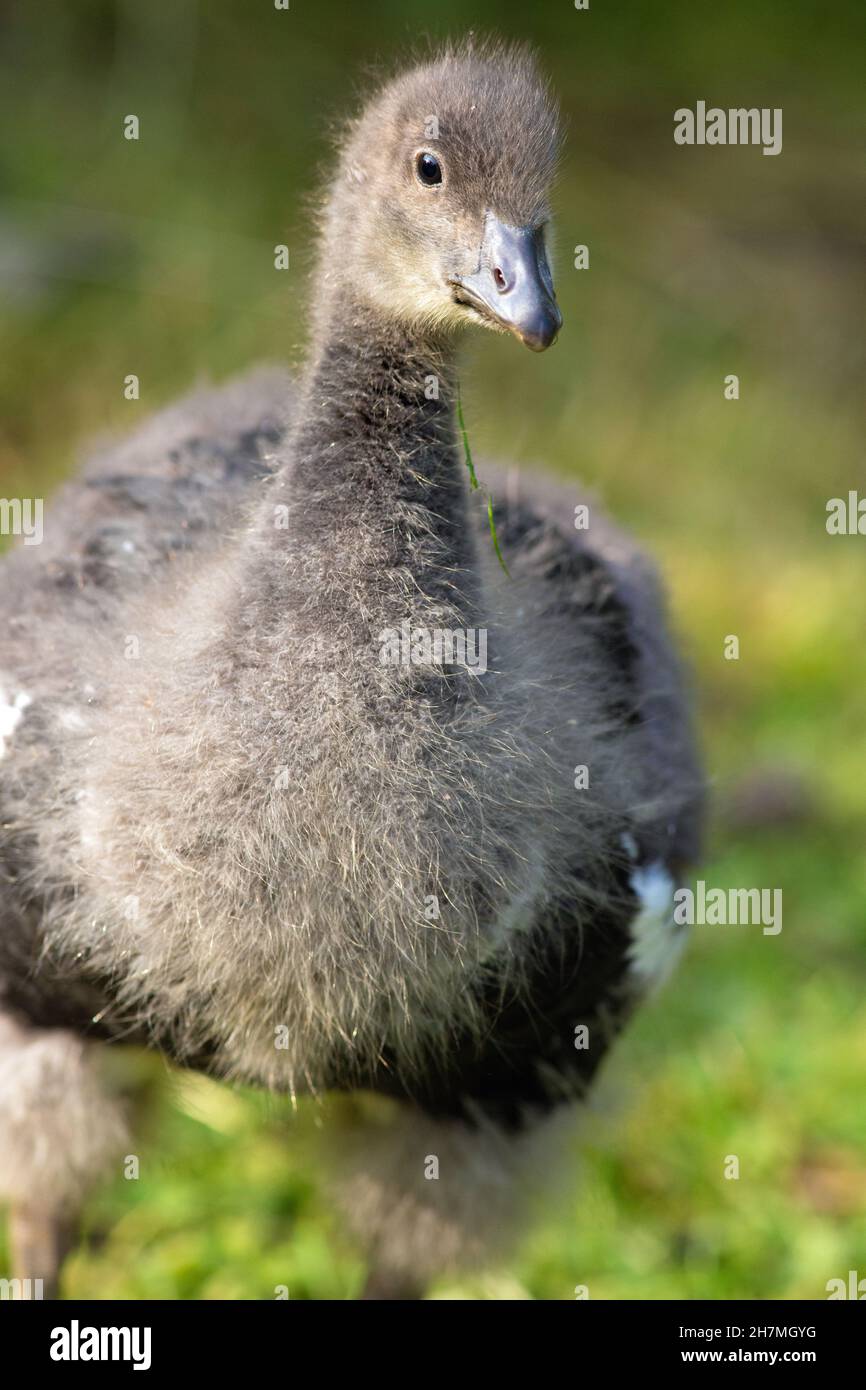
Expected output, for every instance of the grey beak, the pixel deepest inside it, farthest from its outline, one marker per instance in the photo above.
(513, 284)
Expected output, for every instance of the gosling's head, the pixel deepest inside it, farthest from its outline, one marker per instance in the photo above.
(441, 211)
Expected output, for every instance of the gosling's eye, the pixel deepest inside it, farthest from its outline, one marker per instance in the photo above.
(428, 169)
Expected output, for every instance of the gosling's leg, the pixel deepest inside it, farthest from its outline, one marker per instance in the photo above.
(39, 1242)
(60, 1132)
(385, 1285)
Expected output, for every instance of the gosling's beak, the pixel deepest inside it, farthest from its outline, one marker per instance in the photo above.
(513, 285)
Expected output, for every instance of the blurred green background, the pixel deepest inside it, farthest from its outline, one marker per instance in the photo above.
(156, 257)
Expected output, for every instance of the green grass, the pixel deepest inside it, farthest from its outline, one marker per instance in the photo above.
(157, 259)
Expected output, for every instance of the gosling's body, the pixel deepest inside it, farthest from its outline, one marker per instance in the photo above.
(235, 830)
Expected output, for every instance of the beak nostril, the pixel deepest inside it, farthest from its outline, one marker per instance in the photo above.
(512, 288)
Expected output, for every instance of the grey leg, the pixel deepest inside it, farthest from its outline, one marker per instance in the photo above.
(60, 1131)
(388, 1286)
(39, 1242)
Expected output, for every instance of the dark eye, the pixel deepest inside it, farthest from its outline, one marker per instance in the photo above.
(429, 169)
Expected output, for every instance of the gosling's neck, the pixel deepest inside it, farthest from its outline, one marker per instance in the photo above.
(369, 515)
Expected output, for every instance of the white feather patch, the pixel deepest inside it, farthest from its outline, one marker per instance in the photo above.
(11, 714)
(656, 940)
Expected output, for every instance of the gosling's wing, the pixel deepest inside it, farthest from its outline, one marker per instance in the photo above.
(546, 1035)
(178, 483)
(172, 486)
(600, 581)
